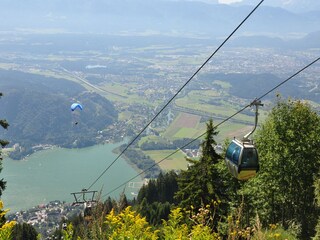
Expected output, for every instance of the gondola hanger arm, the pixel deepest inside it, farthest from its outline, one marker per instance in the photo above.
(255, 103)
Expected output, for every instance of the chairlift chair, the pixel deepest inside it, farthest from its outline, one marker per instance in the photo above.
(85, 197)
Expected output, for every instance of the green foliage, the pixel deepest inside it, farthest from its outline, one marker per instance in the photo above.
(109, 204)
(128, 225)
(250, 85)
(288, 144)
(181, 224)
(317, 195)
(160, 190)
(175, 228)
(44, 117)
(165, 144)
(68, 233)
(156, 197)
(201, 184)
(24, 231)
(274, 232)
(154, 212)
(178, 226)
(143, 162)
(6, 228)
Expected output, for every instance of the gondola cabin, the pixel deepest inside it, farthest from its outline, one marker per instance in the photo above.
(242, 159)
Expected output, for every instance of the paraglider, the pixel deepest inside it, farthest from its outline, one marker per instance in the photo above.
(74, 107)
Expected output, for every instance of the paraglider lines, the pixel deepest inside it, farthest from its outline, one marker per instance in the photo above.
(196, 72)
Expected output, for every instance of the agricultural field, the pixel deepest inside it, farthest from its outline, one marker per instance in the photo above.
(175, 161)
(139, 81)
(185, 125)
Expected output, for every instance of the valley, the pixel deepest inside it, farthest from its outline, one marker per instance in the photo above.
(149, 77)
(139, 81)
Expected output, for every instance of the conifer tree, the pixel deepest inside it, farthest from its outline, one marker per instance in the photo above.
(200, 185)
(24, 231)
(108, 205)
(160, 190)
(123, 202)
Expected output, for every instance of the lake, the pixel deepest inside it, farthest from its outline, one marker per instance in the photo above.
(54, 173)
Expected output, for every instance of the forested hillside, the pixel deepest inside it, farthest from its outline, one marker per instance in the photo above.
(38, 109)
(249, 86)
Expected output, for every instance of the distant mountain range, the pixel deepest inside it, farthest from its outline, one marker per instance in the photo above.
(299, 6)
(311, 40)
(183, 18)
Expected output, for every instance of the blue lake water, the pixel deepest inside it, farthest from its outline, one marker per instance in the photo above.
(53, 174)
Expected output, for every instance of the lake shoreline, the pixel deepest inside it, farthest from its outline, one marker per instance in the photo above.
(54, 173)
(134, 166)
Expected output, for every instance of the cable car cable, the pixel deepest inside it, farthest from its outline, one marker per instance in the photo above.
(165, 158)
(196, 72)
(225, 120)
(301, 70)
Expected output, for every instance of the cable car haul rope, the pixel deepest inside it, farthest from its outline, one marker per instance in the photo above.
(217, 125)
(241, 156)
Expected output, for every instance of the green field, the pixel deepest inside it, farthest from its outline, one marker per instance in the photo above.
(223, 84)
(174, 162)
(185, 126)
(151, 138)
(187, 133)
(192, 106)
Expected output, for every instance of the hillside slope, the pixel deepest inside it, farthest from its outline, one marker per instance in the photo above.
(38, 110)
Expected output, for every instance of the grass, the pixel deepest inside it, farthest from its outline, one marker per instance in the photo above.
(150, 138)
(125, 116)
(198, 101)
(214, 110)
(199, 95)
(123, 93)
(229, 130)
(175, 162)
(179, 129)
(224, 85)
(188, 133)
(184, 125)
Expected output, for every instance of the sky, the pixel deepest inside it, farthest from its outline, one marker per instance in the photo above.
(229, 1)
(283, 2)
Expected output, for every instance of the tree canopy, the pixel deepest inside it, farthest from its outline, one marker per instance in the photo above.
(288, 144)
(200, 185)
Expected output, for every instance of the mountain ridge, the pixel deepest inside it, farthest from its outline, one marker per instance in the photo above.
(179, 17)
(38, 111)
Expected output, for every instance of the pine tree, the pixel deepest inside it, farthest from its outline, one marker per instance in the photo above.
(161, 189)
(200, 185)
(123, 202)
(24, 231)
(108, 205)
